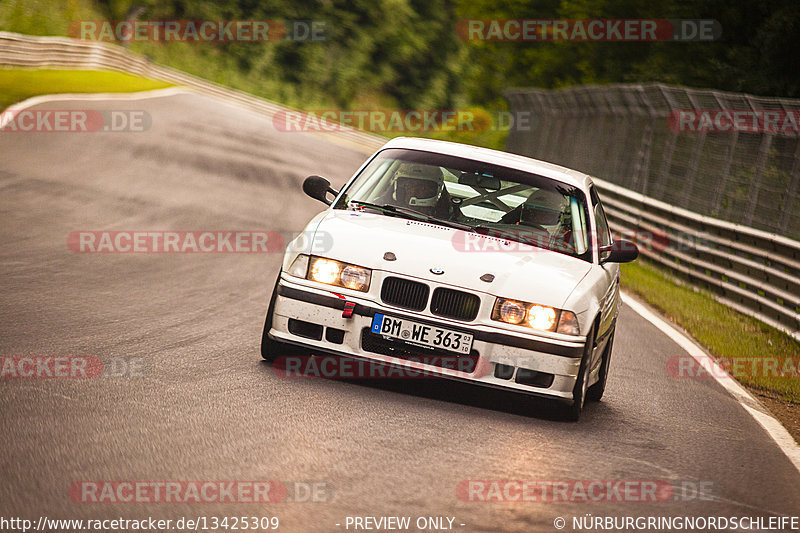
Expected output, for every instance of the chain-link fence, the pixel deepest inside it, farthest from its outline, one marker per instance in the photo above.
(729, 156)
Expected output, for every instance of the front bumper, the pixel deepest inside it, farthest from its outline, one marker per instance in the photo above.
(498, 355)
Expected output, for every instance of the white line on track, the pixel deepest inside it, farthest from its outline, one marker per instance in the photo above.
(773, 428)
(13, 109)
(330, 137)
(141, 95)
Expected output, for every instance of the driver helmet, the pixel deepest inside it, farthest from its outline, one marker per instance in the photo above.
(544, 208)
(418, 186)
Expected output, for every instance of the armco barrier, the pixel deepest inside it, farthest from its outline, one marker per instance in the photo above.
(755, 272)
(25, 51)
(730, 156)
(627, 135)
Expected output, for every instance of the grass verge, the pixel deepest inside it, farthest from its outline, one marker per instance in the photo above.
(762, 358)
(721, 330)
(17, 84)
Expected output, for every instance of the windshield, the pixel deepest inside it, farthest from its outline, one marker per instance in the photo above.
(474, 196)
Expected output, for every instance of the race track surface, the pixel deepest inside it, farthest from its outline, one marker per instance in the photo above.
(206, 407)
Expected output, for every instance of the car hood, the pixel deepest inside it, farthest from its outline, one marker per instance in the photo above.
(521, 272)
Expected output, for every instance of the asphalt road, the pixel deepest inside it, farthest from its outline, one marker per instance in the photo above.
(205, 406)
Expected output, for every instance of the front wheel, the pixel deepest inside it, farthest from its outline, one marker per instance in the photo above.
(595, 392)
(271, 349)
(579, 392)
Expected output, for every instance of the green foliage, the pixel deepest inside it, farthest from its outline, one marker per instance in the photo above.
(406, 54)
(398, 52)
(757, 52)
(46, 17)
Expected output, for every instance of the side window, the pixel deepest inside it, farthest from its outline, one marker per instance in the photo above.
(603, 231)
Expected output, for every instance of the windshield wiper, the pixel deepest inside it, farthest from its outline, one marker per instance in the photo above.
(414, 213)
(385, 207)
(518, 236)
(434, 220)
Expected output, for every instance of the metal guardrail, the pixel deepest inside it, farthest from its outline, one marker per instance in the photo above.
(26, 51)
(623, 134)
(730, 156)
(753, 271)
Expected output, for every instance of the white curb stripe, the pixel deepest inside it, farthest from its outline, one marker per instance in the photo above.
(750, 404)
(332, 138)
(13, 109)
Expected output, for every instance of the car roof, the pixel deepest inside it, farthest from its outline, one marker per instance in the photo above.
(487, 155)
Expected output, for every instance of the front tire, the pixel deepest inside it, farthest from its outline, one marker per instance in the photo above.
(580, 391)
(595, 392)
(271, 349)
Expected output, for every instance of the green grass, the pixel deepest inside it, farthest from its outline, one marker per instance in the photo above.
(17, 85)
(722, 331)
(45, 17)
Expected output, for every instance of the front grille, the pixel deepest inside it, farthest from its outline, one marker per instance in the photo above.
(455, 304)
(405, 293)
(370, 342)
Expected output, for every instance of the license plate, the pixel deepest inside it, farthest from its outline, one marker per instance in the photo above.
(421, 334)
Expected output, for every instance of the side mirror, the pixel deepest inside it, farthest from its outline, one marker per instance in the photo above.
(318, 188)
(620, 251)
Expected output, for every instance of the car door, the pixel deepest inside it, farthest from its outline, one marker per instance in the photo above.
(610, 271)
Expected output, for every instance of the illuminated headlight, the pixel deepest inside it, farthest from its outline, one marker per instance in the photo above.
(541, 317)
(535, 316)
(340, 274)
(324, 271)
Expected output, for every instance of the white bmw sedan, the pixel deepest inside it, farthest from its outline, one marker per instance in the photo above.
(459, 262)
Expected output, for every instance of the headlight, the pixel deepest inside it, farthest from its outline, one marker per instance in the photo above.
(325, 271)
(535, 316)
(511, 312)
(333, 272)
(541, 317)
(355, 278)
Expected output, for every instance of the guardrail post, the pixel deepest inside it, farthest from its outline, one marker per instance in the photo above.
(669, 149)
(542, 123)
(755, 189)
(694, 163)
(719, 190)
(641, 170)
(791, 194)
